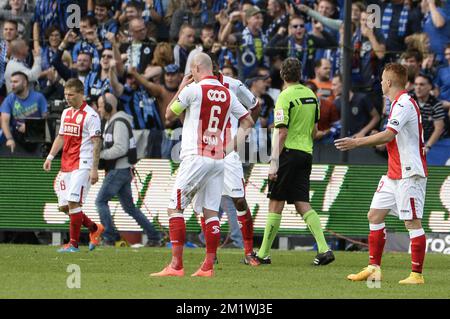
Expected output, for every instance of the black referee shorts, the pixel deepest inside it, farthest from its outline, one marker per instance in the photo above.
(292, 184)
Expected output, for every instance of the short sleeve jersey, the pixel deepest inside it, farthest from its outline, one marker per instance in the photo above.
(297, 108)
(77, 128)
(245, 97)
(208, 106)
(406, 150)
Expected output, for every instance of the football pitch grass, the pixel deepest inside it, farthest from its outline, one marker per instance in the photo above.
(32, 271)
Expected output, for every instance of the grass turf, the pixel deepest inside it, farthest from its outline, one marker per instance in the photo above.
(28, 271)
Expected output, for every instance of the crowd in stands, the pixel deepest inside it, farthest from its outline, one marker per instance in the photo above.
(139, 50)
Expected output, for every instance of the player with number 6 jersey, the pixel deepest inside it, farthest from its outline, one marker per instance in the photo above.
(234, 186)
(207, 105)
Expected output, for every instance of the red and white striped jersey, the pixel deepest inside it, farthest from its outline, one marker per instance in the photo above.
(244, 95)
(406, 150)
(208, 107)
(77, 128)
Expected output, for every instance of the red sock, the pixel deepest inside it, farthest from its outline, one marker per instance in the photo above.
(75, 227)
(88, 223)
(202, 224)
(418, 247)
(377, 239)
(177, 234)
(212, 238)
(246, 224)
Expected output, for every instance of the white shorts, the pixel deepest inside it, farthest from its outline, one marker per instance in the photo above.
(233, 177)
(200, 176)
(72, 186)
(404, 197)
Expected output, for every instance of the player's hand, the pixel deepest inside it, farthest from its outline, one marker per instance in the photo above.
(94, 176)
(188, 79)
(112, 63)
(21, 128)
(11, 144)
(345, 144)
(273, 169)
(47, 165)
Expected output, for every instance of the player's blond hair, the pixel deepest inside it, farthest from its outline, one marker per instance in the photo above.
(75, 84)
(397, 73)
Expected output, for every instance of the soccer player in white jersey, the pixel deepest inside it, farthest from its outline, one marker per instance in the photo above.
(208, 105)
(79, 134)
(402, 191)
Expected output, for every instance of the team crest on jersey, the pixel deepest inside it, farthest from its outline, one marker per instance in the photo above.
(394, 122)
(216, 96)
(79, 118)
(279, 116)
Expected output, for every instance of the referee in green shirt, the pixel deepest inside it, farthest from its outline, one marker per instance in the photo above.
(296, 116)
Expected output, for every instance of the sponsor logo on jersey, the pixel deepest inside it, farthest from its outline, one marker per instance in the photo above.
(279, 116)
(236, 189)
(71, 129)
(216, 96)
(210, 140)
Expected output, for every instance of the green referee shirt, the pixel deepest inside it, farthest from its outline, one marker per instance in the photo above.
(297, 109)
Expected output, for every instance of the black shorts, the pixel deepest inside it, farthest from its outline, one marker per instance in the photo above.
(292, 184)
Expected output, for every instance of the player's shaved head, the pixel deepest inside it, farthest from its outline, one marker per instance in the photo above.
(203, 60)
(201, 66)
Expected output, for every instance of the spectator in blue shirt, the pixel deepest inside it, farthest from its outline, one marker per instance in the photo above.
(436, 23)
(48, 13)
(442, 81)
(105, 22)
(20, 104)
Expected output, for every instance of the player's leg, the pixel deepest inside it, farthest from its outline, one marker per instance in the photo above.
(246, 224)
(126, 201)
(271, 230)
(189, 177)
(411, 200)
(63, 187)
(234, 187)
(382, 203)
(212, 195)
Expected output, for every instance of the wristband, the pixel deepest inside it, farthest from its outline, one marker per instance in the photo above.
(50, 157)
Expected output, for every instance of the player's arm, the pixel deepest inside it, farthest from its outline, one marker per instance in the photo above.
(177, 105)
(96, 140)
(245, 125)
(347, 143)
(58, 143)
